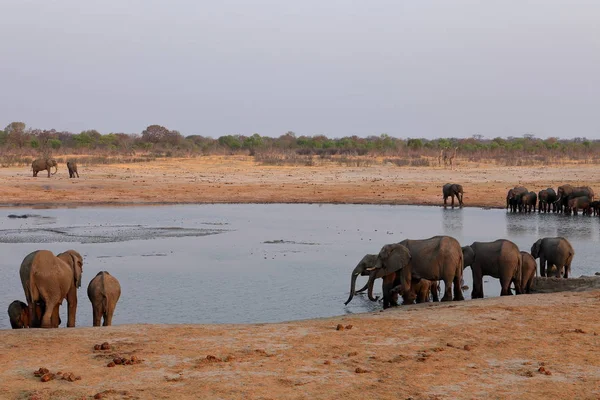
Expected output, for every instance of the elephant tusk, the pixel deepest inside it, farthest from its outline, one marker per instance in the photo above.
(370, 269)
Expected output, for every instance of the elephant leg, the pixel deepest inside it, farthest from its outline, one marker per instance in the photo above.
(452, 196)
(458, 294)
(568, 266)
(72, 307)
(109, 313)
(55, 317)
(542, 265)
(435, 291)
(477, 292)
(48, 311)
(362, 289)
(96, 314)
(505, 287)
(447, 290)
(445, 200)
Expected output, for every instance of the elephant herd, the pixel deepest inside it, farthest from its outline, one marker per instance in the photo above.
(48, 279)
(47, 164)
(413, 268)
(566, 199)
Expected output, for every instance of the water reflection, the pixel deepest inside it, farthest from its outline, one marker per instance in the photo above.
(452, 221)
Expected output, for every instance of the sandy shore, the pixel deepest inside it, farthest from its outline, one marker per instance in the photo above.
(238, 179)
(530, 346)
(496, 348)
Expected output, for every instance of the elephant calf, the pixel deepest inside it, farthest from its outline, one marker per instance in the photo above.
(72, 166)
(104, 292)
(18, 313)
(582, 203)
(419, 291)
(528, 271)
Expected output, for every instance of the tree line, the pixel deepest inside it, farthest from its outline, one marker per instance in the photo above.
(17, 137)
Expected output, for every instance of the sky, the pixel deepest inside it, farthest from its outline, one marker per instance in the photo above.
(419, 68)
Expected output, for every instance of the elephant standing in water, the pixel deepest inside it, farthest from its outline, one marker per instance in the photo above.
(44, 164)
(513, 198)
(556, 251)
(451, 190)
(567, 192)
(529, 201)
(547, 198)
(437, 258)
(104, 292)
(368, 264)
(582, 203)
(500, 259)
(50, 279)
(528, 271)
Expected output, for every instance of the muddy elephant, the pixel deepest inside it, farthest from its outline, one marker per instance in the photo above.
(44, 164)
(437, 258)
(554, 251)
(528, 201)
(453, 190)
(513, 198)
(104, 292)
(582, 203)
(528, 271)
(499, 259)
(50, 279)
(72, 167)
(18, 314)
(567, 192)
(546, 200)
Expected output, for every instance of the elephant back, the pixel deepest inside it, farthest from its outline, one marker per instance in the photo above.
(435, 258)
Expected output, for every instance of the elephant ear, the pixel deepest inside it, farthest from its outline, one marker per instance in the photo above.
(535, 249)
(76, 262)
(394, 257)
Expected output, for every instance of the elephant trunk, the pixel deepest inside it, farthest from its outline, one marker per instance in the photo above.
(352, 285)
(371, 282)
(55, 169)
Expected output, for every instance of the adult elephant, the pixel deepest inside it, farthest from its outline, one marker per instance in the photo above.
(50, 279)
(528, 271)
(582, 203)
(529, 201)
(567, 192)
(453, 190)
(555, 251)
(546, 199)
(513, 198)
(499, 259)
(104, 292)
(437, 258)
(367, 264)
(44, 164)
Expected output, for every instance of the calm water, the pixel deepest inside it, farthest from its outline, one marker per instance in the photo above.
(253, 263)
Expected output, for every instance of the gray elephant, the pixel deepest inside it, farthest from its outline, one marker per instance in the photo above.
(567, 192)
(513, 198)
(529, 201)
(50, 279)
(582, 203)
(499, 259)
(555, 251)
(546, 199)
(44, 164)
(528, 271)
(451, 190)
(437, 258)
(18, 314)
(72, 167)
(367, 264)
(104, 292)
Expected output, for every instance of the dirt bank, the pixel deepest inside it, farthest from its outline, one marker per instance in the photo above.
(238, 179)
(530, 346)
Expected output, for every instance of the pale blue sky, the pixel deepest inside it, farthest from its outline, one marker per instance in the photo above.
(418, 68)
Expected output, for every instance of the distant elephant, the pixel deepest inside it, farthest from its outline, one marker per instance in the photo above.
(582, 203)
(547, 198)
(49, 278)
(44, 164)
(437, 258)
(104, 292)
(72, 166)
(555, 251)
(451, 190)
(420, 291)
(499, 259)
(529, 201)
(18, 313)
(567, 192)
(528, 271)
(513, 198)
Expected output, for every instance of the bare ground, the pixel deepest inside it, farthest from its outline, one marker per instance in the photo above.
(529, 346)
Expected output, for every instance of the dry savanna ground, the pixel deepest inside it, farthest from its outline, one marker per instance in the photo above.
(238, 179)
(542, 346)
